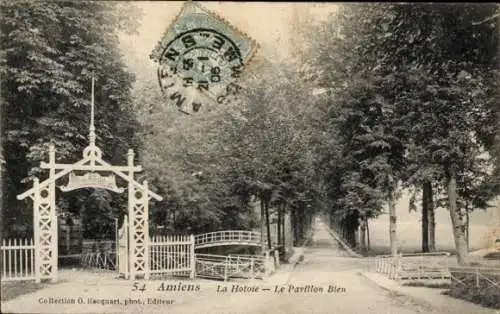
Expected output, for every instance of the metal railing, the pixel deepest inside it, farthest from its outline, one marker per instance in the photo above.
(482, 278)
(231, 266)
(98, 254)
(227, 237)
(415, 267)
(103, 260)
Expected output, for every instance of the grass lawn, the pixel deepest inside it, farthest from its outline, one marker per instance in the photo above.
(435, 285)
(385, 249)
(13, 289)
(493, 256)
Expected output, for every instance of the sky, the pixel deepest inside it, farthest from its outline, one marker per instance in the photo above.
(269, 24)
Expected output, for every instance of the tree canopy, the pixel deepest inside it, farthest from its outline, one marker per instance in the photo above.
(49, 53)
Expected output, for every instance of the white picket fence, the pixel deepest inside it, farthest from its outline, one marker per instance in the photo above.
(169, 255)
(172, 255)
(417, 267)
(18, 259)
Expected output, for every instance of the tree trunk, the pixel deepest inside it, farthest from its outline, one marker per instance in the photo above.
(292, 225)
(425, 217)
(456, 219)
(309, 220)
(358, 236)
(296, 227)
(353, 226)
(432, 221)
(262, 223)
(283, 229)
(302, 223)
(268, 226)
(345, 228)
(362, 237)
(284, 217)
(368, 235)
(467, 225)
(392, 226)
(278, 226)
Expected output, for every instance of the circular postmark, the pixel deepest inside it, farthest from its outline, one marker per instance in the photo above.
(197, 64)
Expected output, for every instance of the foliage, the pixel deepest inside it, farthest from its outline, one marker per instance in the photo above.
(49, 52)
(466, 286)
(412, 97)
(217, 161)
(348, 57)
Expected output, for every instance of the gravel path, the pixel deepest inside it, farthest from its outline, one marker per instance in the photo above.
(325, 281)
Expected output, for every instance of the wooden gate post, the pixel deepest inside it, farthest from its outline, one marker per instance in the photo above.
(36, 231)
(192, 261)
(53, 213)
(145, 213)
(123, 259)
(139, 227)
(45, 223)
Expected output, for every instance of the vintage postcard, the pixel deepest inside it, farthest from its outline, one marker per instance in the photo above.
(249, 157)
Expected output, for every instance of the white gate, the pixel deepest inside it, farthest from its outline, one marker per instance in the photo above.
(173, 255)
(122, 249)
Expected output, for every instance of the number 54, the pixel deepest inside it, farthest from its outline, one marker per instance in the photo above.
(138, 286)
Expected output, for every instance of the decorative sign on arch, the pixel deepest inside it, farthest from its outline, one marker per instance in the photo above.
(44, 205)
(91, 179)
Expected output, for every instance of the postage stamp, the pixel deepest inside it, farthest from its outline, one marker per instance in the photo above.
(200, 58)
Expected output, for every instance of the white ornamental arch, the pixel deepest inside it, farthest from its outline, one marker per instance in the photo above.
(44, 205)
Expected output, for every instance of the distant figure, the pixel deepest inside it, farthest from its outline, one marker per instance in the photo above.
(497, 244)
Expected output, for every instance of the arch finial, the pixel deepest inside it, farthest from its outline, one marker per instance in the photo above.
(92, 127)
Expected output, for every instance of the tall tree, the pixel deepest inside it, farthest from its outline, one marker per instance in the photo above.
(49, 51)
(452, 87)
(350, 58)
(433, 66)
